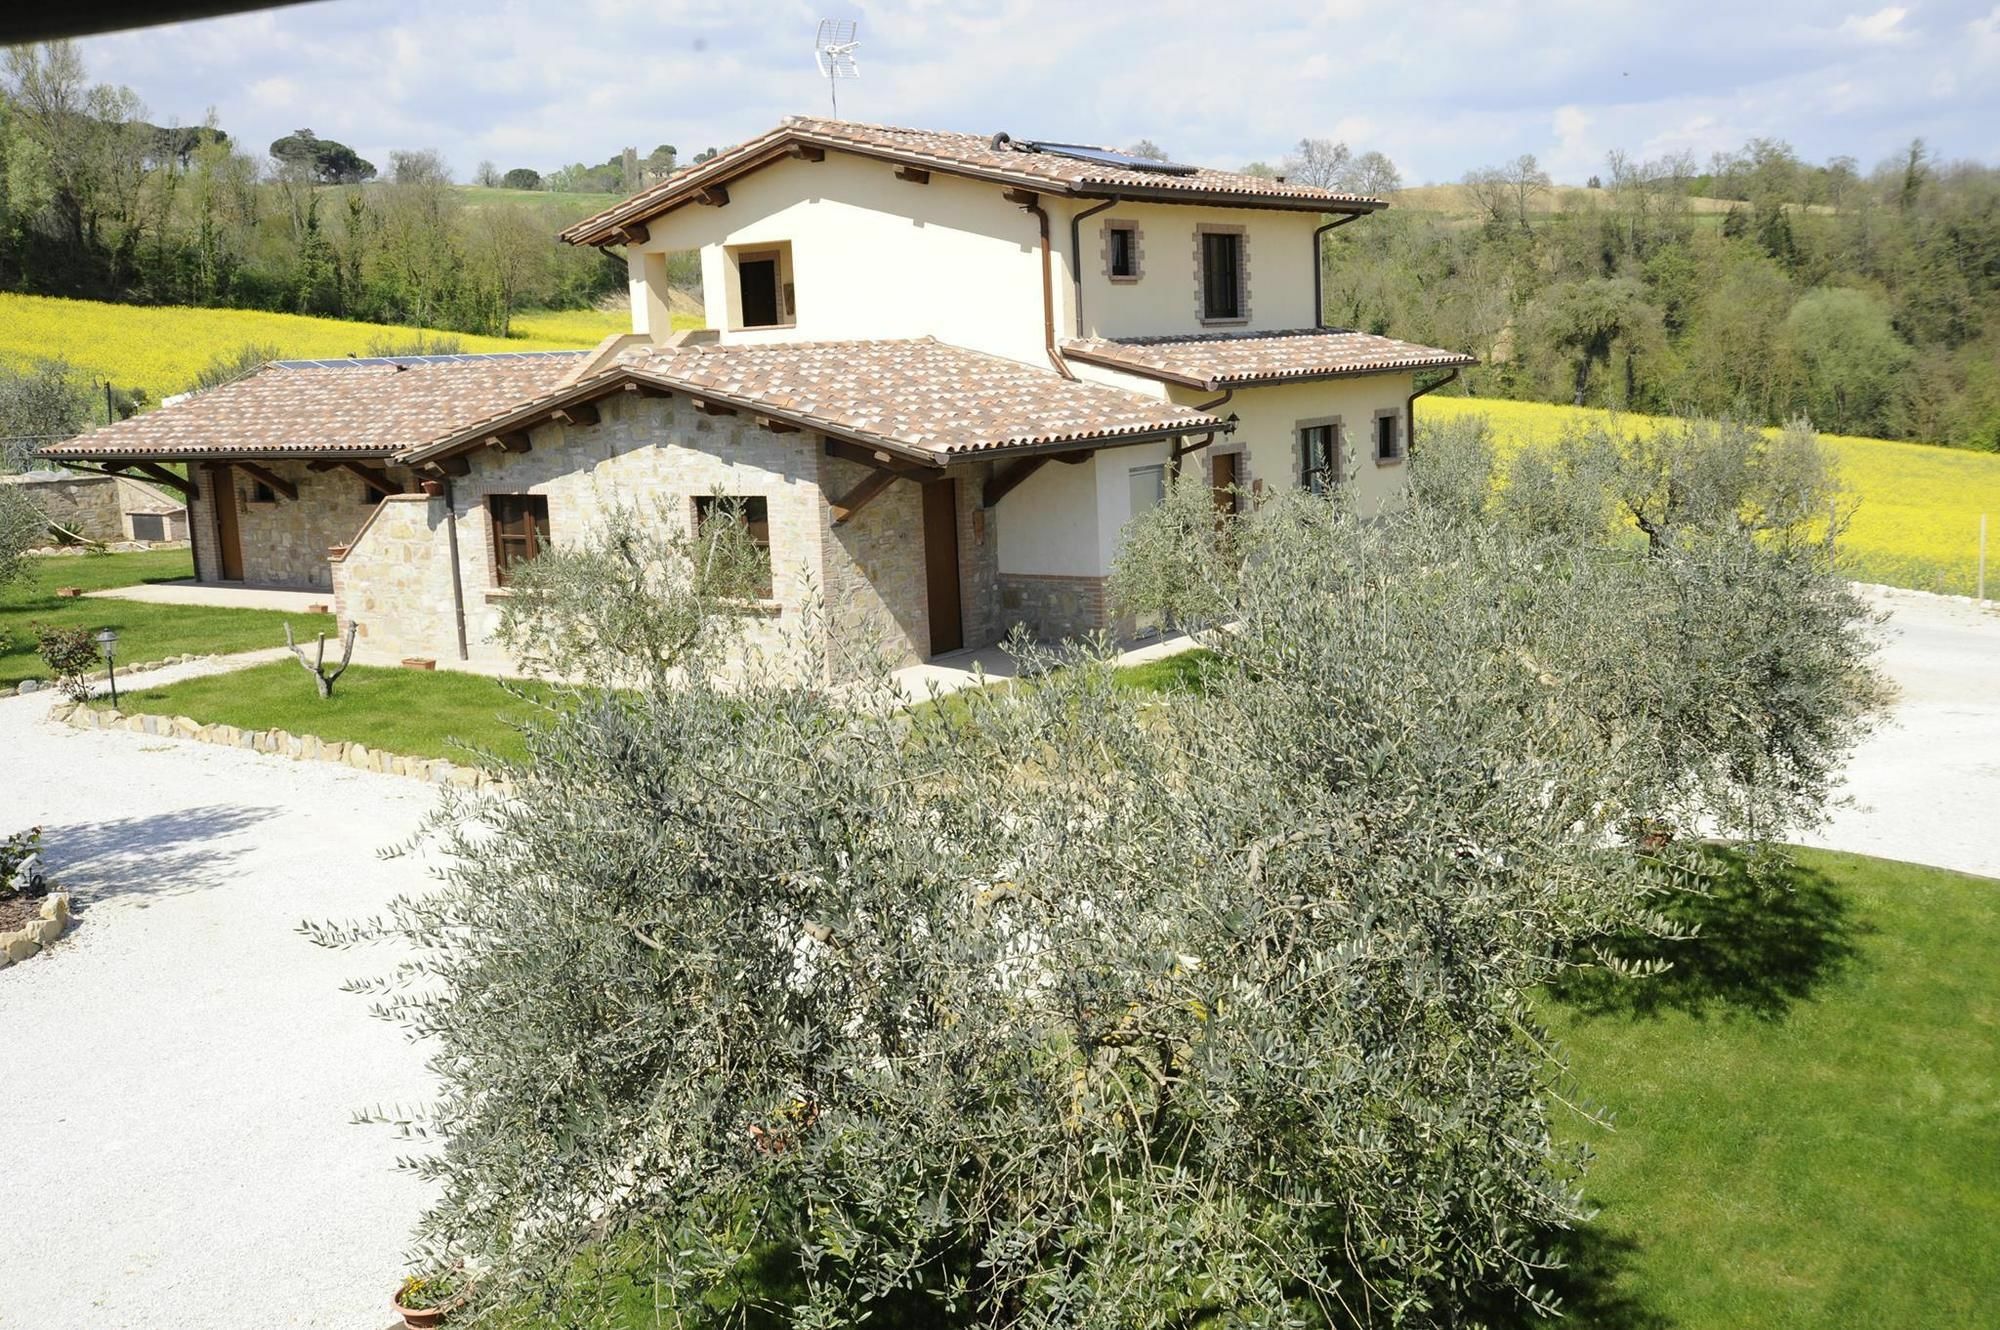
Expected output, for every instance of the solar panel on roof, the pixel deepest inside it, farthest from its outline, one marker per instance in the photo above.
(450, 358)
(1107, 157)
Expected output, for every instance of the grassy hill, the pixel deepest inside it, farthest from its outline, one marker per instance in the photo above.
(1917, 523)
(161, 348)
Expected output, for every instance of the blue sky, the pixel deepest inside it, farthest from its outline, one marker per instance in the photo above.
(1439, 87)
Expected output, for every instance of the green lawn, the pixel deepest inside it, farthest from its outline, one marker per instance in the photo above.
(417, 713)
(1807, 1110)
(145, 632)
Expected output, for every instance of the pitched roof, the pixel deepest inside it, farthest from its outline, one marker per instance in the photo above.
(981, 157)
(358, 408)
(916, 397)
(1222, 360)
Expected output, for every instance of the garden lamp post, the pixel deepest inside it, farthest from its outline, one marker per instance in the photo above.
(107, 641)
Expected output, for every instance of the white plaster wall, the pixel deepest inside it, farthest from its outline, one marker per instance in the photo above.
(872, 256)
(1268, 419)
(1048, 524)
(1164, 299)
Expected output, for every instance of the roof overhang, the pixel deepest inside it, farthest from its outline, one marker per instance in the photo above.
(130, 457)
(1215, 383)
(623, 378)
(610, 226)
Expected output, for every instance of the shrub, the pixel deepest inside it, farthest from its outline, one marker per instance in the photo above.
(22, 527)
(1070, 1007)
(20, 864)
(71, 655)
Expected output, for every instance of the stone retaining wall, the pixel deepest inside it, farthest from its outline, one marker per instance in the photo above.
(18, 944)
(303, 747)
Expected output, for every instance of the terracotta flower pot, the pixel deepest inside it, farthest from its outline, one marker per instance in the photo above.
(419, 663)
(433, 487)
(419, 1318)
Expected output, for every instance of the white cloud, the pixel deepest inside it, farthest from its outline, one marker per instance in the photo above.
(1883, 26)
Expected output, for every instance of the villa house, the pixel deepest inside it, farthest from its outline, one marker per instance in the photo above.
(941, 373)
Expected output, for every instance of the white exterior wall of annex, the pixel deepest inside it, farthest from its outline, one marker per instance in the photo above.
(1165, 298)
(871, 257)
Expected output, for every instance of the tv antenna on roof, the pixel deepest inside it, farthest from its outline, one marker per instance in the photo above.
(833, 50)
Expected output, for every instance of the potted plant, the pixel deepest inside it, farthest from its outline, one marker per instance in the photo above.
(426, 1300)
(420, 662)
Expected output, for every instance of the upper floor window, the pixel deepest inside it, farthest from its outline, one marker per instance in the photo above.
(1388, 437)
(764, 290)
(1319, 456)
(1225, 294)
(1121, 252)
(520, 530)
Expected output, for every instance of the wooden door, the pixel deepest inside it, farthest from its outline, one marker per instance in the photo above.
(1222, 479)
(228, 539)
(941, 565)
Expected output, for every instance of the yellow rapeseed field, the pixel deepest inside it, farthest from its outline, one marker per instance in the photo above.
(1917, 519)
(161, 348)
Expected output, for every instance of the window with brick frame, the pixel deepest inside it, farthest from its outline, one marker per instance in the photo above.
(754, 511)
(520, 530)
(1222, 293)
(1122, 242)
(1388, 437)
(1319, 456)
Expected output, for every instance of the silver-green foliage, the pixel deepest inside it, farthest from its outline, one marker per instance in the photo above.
(776, 1004)
(22, 527)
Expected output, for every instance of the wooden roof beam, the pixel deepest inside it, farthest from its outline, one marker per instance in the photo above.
(1006, 480)
(852, 502)
(513, 441)
(277, 482)
(455, 465)
(576, 413)
(644, 389)
(714, 196)
(916, 175)
(806, 152)
(709, 408)
(373, 477)
(634, 233)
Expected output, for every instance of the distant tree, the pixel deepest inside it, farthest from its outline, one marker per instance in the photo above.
(1853, 358)
(419, 239)
(660, 162)
(1595, 182)
(507, 250)
(1262, 170)
(704, 155)
(1586, 320)
(1321, 162)
(486, 175)
(522, 177)
(1148, 149)
(330, 162)
(1373, 173)
(1916, 169)
(41, 403)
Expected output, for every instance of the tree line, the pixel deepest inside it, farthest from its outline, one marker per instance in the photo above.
(1760, 285)
(97, 203)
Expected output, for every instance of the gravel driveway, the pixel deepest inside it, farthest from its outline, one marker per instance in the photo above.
(180, 1071)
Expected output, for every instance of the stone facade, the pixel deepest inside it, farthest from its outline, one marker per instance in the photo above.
(95, 506)
(284, 541)
(1053, 607)
(656, 456)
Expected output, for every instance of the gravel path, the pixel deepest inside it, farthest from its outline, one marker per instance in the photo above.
(1926, 786)
(179, 1072)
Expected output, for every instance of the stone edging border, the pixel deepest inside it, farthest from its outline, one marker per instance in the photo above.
(27, 686)
(20, 943)
(302, 747)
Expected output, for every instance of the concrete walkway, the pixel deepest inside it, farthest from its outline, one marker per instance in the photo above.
(234, 596)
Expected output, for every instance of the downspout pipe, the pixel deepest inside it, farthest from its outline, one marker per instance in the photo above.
(1181, 450)
(1319, 271)
(1029, 201)
(1076, 252)
(1410, 410)
(457, 582)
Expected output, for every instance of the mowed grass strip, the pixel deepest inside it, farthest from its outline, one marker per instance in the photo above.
(1917, 523)
(414, 713)
(1807, 1109)
(145, 631)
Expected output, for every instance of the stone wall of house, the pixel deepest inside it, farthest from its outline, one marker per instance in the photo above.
(978, 558)
(874, 570)
(94, 506)
(394, 582)
(1053, 607)
(284, 541)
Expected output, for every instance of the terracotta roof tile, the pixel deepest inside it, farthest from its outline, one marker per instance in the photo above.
(305, 408)
(917, 396)
(1222, 360)
(967, 154)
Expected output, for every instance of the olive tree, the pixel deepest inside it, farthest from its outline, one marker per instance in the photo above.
(777, 1003)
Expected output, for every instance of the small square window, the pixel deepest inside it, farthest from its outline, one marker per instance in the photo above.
(520, 530)
(262, 493)
(1124, 243)
(754, 511)
(1388, 438)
